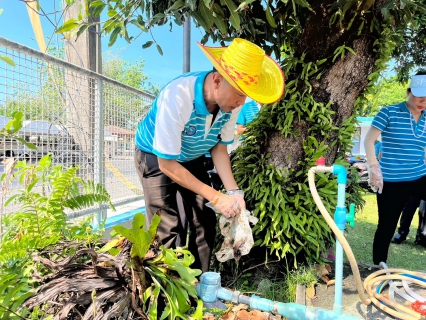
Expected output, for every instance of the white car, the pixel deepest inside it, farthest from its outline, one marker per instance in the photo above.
(9, 147)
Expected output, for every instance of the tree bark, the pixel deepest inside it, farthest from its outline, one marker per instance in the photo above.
(341, 82)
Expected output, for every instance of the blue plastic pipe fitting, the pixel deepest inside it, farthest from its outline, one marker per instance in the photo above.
(209, 290)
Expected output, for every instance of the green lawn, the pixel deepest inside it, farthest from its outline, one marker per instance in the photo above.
(405, 255)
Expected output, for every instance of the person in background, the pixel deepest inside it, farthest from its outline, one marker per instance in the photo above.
(401, 171)
(193, 115)
(247, 114)
(378, 149)
(407, 215)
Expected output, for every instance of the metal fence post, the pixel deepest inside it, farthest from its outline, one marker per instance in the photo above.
(99, 163)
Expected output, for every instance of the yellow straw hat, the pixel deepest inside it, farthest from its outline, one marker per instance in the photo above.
(248, 69)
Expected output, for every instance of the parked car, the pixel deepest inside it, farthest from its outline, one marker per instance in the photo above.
(8, 147)
(359, 162)
(25, 153)
(356, 158)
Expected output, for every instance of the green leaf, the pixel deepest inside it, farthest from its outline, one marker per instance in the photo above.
(11, 198)
(97, 11)
(111, 244)
(82, 29)
(206, 13)
(139, 25)
(177, 5)
(111, 13)
(97, 3)
(270, 18)
(15, 124)
(198, 314)
(68, 26)
(199, 20)
(147, 44)
(45, 161)
(140, 20)
(153, 308)
(8, 60)
(217, 10)
(303, 3)
(234, 19)
(182, 267)
(221, 25)
(140, 238)
(20, 299)
(29, 144)
(180, 297)
(244, 4)
(156, 18)
(114, 35)
(160, 51)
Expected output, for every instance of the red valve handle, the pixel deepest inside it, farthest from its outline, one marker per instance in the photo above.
(419, 307)
(320, 161)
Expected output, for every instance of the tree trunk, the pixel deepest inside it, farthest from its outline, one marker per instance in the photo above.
(341, 82)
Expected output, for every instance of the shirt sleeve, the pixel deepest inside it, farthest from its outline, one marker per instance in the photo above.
(381, 120)
(175, 104)
(228, 130)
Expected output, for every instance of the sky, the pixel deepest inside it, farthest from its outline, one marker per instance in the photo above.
(15, 25)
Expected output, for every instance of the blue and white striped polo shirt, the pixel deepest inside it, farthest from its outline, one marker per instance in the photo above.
(179, 127)
(248, 113)
(403, 155)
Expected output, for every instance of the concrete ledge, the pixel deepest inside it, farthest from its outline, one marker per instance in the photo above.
(122, 217)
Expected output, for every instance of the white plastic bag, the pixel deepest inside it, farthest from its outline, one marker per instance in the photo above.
(238, 236)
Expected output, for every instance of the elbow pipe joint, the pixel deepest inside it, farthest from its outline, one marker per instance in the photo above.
(341, 173)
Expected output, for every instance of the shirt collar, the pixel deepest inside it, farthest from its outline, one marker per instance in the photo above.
(199, 103)
(403, 107)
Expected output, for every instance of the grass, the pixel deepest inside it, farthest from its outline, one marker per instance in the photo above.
(360, 238)
(281, 287)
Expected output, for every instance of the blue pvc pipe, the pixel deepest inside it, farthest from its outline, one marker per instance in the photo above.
(291, 311)
(340, 219)
(341, 173)
(209, 290)
(338, 290)
(341, 196)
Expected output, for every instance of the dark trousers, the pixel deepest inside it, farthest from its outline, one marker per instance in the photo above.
(162, 193)
(390, 204)
(408, 214)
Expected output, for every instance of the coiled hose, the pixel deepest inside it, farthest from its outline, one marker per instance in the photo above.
(378, 299)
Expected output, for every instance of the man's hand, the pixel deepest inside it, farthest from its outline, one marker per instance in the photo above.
(238, 195)
(226, 205)
(376, 178)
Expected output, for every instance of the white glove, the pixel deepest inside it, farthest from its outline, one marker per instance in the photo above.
(376, 178)
(238, 195)
(226, 205)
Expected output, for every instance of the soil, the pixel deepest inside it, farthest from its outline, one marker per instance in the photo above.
(352, 305)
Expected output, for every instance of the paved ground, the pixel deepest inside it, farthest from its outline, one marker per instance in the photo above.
(352, 304)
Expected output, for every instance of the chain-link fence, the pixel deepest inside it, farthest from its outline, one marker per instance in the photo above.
(82, 118)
